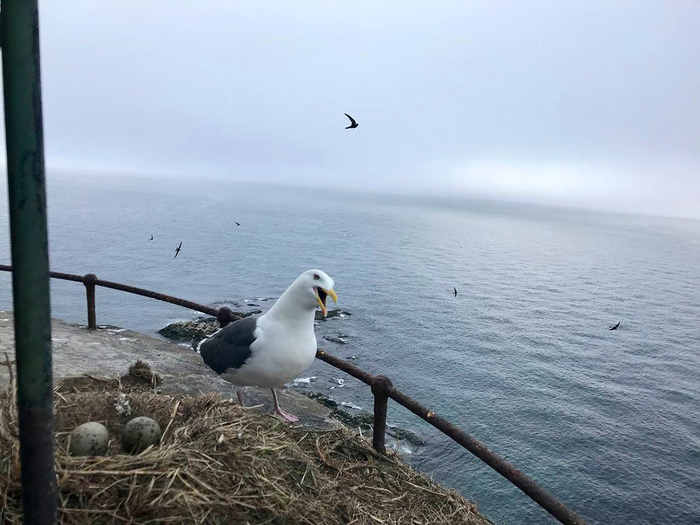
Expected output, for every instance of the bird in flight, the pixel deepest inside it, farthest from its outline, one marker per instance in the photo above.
(353, 124)
(237, 223)
(616, 326)
(455, 292)
(151, 238)
(177, 250)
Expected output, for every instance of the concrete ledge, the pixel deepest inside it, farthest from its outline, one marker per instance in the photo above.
(109, 351)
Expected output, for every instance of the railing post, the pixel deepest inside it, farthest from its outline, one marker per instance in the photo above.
(380, 385)
(225, 316)
(24, 139)
(89, 282)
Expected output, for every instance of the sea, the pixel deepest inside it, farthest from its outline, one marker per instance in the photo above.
(521, 359)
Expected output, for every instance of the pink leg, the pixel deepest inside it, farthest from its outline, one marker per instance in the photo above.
(239, 393)
(284, 416)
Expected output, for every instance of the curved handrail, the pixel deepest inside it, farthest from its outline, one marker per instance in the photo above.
(382, 389)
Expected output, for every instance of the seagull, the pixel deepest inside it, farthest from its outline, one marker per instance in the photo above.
(353, 124)
(151, 238)
(237, 223)
(273, 349)
(177, 250)
(455, 291)
(616, 326)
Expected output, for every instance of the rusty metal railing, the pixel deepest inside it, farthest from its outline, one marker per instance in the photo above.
(382, 390)
(223, 315)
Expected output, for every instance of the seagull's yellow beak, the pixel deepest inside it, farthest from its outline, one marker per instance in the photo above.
(321, 295)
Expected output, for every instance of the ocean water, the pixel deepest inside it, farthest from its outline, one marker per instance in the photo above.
(522, 358)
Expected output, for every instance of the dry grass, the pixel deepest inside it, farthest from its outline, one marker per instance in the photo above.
(219, 463)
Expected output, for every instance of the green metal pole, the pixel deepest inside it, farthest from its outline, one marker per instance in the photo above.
(19, 31)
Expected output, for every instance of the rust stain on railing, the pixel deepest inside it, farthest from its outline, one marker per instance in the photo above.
(382, 389)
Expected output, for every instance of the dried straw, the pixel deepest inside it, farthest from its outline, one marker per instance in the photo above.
(219, 463)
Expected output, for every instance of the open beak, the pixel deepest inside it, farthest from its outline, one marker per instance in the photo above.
(321, 295)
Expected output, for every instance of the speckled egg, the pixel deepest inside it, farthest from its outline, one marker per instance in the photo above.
(140, 433)
(89, 439)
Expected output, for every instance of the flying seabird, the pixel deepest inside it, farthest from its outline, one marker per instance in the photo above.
(455, 291)
(177, 250)
(273, 349)
(616, 326)
(151, 238)
(353, 124)
(237, 223)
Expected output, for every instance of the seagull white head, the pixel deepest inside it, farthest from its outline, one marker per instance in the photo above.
(311, 289)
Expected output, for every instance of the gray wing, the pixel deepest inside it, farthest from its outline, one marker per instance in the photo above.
(229, 347)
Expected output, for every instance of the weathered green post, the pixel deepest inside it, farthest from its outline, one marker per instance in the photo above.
(19, 36)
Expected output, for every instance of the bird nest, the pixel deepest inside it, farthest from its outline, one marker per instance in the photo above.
(217, 463)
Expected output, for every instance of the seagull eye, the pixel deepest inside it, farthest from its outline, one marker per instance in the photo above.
(316, 277)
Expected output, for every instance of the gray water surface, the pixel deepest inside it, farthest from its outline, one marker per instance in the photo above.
(522, 358)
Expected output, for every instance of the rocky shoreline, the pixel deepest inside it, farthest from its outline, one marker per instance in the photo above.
(365, 420)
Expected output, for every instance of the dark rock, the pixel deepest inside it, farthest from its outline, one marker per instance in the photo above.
(363, 420)
(401, 434)
(186, 330)
(199, 328)
(322, 398)
(336, 312)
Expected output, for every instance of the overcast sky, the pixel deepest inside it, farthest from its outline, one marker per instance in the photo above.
(593, 104)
